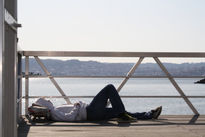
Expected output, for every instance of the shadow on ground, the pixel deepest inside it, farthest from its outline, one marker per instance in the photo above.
(27, 123)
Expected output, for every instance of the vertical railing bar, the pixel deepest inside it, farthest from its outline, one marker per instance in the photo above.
(129, 74)
(52, 80)
(174, 83)
(20, 85)
(26, 84)
(20, 89)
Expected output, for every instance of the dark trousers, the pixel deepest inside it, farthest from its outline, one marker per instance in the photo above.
(97, 109)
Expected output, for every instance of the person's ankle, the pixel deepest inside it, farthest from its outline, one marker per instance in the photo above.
(121, 114)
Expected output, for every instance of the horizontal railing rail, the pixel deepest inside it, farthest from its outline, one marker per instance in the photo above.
(140, 55)
(32, 76)
(114, 54)
(133, 96)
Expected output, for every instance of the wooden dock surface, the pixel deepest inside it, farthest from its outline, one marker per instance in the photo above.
(165, 126)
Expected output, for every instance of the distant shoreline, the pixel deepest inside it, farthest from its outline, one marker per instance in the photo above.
(94, 68)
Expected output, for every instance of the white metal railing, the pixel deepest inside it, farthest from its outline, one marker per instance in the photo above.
(140, 55)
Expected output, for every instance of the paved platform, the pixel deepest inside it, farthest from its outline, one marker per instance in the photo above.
(165, 126)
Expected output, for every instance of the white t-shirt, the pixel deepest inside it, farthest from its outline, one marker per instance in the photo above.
(69, 112)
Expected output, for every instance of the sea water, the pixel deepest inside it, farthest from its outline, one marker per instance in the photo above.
(134, 87)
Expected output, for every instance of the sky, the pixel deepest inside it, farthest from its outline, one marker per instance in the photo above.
(112, 25)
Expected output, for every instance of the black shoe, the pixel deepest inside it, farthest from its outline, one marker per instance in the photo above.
(156, 112)
(125, 118)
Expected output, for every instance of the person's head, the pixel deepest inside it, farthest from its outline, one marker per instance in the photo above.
(44, 103)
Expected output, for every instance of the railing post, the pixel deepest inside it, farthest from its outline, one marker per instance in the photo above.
(26, 84)
(174, 83)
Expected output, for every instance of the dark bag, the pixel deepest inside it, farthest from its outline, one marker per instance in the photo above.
(39, 112)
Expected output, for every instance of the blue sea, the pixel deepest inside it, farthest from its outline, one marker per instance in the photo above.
(140, 86)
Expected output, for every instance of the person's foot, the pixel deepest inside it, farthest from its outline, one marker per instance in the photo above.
(125, 118)
(156, 112)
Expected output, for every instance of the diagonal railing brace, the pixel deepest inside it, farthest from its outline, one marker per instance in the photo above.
(176, 86)
(52, 80)
(129, 74)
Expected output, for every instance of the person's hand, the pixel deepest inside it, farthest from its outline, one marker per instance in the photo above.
(77, 104)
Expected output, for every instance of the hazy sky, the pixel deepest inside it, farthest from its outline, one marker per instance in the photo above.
(112, 25)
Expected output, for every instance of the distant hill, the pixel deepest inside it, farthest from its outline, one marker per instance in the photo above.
(94, 68)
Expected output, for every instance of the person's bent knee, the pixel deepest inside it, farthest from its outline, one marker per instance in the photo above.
(110, 86)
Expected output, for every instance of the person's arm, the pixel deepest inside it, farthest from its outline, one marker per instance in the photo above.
(34, 104)
(71, 116)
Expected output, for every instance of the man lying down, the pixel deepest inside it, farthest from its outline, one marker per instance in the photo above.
(97, 109)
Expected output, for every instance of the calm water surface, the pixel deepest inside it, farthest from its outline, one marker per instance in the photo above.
(84, 87)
